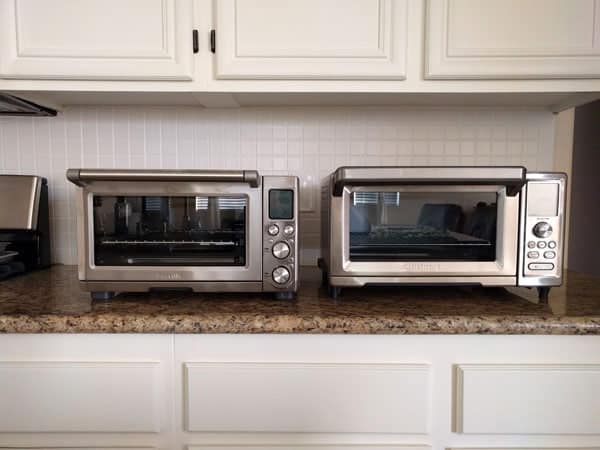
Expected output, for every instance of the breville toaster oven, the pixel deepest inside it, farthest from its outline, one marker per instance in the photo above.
(199, 230)
(489, 226)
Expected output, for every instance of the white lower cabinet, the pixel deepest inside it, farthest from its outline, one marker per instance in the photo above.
(528, 399)
(56, 396)
(310, 447)
(299, 392)
(79, 391)
(307, 397)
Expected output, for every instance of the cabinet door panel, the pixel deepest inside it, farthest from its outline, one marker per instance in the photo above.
(96, 39)
(311, 39)
(522, 399)
(513, 39)
(79, 397)
(297, 397)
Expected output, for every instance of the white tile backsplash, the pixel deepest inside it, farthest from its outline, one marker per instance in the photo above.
(306, 141)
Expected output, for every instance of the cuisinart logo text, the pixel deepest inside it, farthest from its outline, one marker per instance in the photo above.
(421, 267)
(169, 276)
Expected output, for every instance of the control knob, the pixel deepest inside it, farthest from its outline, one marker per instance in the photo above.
(273, 229)
(542, 229)
(281, 250)
(288, 230)
(281, 275)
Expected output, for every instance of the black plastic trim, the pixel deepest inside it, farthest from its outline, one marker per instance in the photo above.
(24, 107)
(213, 41)
(195, 45)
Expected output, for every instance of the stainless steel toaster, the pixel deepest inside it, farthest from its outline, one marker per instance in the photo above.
(199, 230)
(489, 226)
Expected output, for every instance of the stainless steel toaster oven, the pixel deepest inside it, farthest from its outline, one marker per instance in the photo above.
(215, 231)
(490, 226)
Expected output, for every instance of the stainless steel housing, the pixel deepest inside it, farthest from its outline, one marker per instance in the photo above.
(514, 226)
(256, 275)
(19, 201)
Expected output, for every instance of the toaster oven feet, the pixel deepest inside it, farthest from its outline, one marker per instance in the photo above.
(102, 295)
(543, 292)
(287, 295)
(334, 291)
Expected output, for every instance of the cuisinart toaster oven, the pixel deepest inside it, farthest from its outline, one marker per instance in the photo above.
(489, 226)
(205, 231)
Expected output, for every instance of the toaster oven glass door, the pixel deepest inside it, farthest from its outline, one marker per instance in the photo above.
(423, 226)
(420, 230)
(170, 230)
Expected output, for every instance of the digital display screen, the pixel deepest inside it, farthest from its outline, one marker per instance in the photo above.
(542, 199)
(281, 204)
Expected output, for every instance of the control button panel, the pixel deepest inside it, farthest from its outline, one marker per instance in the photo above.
(279, 253)
(543, 209)
(537, 260)
(540, 266)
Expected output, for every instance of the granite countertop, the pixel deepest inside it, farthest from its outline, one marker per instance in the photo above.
(50, 301)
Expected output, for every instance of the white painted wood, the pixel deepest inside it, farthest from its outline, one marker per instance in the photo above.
(96, 39)
(439, 354)
(513, 39)
(79, 397)
(309, 447)
(528, 399)
(307, 397)
(117, 386)
(311, 39)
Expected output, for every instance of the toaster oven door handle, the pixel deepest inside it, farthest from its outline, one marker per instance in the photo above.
(82, 177)
(514, 178)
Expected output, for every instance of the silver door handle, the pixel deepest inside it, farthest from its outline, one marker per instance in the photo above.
(512, 177)
(82, 177)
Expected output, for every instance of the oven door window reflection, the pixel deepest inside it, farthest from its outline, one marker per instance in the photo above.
(170, 231)
(423, 226)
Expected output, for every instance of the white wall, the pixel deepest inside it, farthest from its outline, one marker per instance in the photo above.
(309, 142)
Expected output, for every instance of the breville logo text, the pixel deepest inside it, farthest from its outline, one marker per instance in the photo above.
(171, 276)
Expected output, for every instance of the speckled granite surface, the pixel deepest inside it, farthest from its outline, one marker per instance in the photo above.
(50, 301)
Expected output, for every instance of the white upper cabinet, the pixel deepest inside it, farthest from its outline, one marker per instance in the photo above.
(513, 39)
(96, 39)
(311, 39)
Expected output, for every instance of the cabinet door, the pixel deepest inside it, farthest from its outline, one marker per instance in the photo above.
(513, 39)
(96, 39)
(304, 39)
(299, 397)
(527, 399)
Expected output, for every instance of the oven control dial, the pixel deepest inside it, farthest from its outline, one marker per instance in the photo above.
(288, 230)
(281, 275)
(273, 229)
(281, 250)
(542, 229)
